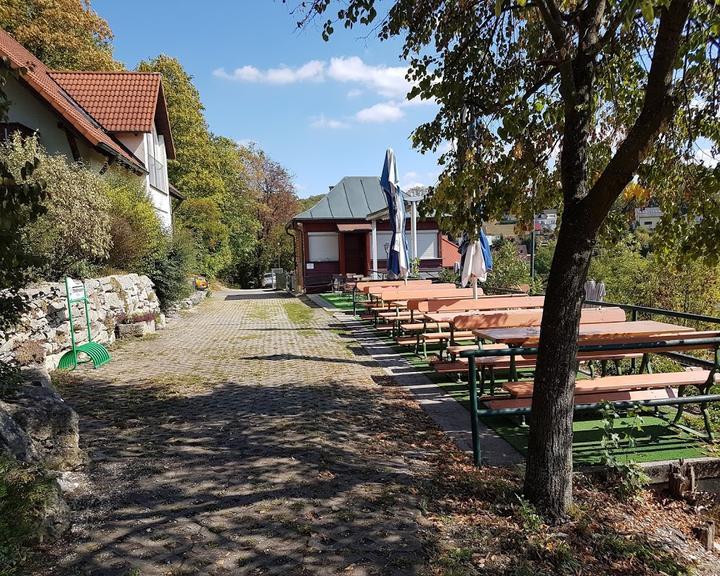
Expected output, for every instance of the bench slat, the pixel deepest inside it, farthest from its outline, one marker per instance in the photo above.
(626, 396)
(618, 383)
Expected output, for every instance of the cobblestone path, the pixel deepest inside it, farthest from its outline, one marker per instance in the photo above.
(249, 437)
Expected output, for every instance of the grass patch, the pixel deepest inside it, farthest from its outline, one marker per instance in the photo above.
(259, 312)
(298, 313)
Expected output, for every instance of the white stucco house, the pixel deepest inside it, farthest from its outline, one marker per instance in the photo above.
(648, 217)
(98, 118)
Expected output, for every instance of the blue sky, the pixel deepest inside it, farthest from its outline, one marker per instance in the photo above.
(324, 110)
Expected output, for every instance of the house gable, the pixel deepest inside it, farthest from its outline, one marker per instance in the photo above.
(37, 77)
(122, 102)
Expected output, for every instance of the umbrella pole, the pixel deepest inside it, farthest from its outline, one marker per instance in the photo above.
(475, 287)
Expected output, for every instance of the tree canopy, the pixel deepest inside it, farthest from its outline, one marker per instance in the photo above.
(64, 34)
(567, 102)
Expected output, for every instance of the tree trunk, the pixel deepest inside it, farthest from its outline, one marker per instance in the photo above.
(548, 476)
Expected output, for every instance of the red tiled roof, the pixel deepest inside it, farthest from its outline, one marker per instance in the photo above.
(38, 77)
(121, 101)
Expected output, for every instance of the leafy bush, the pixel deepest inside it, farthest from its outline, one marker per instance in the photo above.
(74, 233)
(627, 475)
(449, 275)
(23, 491)
(169, 267)
(510, 270)
(21, 202)
(134, 225)
(203, 219)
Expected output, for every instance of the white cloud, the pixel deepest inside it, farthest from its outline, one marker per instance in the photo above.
(328, 123)
(312, 71)
(383, 112)
(354, 93)
(388, 81)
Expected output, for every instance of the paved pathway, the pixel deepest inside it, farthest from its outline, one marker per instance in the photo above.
(239, 441)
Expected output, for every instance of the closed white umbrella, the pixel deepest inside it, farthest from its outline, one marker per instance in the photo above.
(476, 260)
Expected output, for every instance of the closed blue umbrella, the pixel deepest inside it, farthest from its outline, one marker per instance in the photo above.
(397, 260)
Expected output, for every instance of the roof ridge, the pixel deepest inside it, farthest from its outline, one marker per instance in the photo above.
(118, 72)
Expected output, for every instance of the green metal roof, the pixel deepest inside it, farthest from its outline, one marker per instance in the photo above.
(353, 198)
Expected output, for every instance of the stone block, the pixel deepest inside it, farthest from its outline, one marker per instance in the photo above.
(114, 302)
(138, 329)
(49, 423)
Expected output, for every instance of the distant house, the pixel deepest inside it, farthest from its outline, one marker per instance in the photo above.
(99, 118)
(335, 235)
(546, 221)
(648, 218)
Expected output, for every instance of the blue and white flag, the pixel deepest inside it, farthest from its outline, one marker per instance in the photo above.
(397, 260)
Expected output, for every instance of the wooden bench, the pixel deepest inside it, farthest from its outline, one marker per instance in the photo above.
(462, 326)
(381, 297)
(628, 396)
(629, 387)
(484, 303)
(533, 317)
(505, 362)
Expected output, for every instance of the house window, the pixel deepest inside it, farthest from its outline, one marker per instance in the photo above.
(156, 166)
(426, 244)
(323, 247)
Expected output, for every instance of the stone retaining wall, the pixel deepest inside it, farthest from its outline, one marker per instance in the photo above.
(43, 334)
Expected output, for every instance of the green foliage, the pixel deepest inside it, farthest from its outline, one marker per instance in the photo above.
(194, 170)
(414, 271)
(543, 260)
(270, 194)
(23, 491)
(74, 231)
(627, 475)
(449, 275)
(624, 271)
(135, 228)
(510, 270)
(168, 268)
(203, 218)
(21, 203)
(636, 274)
(64, 34)
(528, 515)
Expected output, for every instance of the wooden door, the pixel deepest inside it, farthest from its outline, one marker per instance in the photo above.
(355, 260)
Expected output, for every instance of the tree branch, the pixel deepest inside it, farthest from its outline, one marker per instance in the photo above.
(658, 108)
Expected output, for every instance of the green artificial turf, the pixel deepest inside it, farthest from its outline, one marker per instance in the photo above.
(338, 300)
(654, 442)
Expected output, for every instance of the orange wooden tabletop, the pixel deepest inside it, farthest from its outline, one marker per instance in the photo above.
(605, 330)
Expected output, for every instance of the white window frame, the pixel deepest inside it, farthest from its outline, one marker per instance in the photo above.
(330, 251)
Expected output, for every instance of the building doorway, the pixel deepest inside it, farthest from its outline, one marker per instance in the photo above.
(355, 253)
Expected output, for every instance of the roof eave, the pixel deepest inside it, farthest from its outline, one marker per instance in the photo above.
(162, 122)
